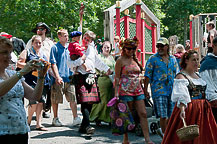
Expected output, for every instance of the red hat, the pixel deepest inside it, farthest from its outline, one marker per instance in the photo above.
(7, 36)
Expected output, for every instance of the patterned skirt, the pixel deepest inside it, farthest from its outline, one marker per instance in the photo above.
(85, 92)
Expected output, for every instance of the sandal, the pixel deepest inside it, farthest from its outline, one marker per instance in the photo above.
(90, 130)
(41, 129)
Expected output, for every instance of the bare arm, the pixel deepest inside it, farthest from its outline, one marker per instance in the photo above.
(59, 80)
(33, 94)
(118, 67)
(22, 59)
(145, 89)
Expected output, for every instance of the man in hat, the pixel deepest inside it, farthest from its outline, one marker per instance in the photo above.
(42, 30)
(211, 35)
(160, 71)
(208, 72)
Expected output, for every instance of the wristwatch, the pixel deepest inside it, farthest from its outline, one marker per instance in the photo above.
(19, 75)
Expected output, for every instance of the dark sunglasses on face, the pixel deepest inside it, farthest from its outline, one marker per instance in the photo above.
(160, 46)
(134, 48)
(40, 29)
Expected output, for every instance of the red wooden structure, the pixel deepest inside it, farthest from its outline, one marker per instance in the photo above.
(145, 26)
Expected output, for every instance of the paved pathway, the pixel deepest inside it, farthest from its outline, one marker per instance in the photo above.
(69, 134)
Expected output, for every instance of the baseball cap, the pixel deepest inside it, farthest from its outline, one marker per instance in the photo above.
(163, 41)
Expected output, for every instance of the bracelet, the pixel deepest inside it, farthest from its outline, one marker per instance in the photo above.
(19, 75)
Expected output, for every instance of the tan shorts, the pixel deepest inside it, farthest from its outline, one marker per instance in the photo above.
(57, 92)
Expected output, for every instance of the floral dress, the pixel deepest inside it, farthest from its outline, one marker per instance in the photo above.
(130, 84)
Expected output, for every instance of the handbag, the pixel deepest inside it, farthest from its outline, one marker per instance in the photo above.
(121, 117)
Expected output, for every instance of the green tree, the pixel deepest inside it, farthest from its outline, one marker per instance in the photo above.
(177, 14)
(19, 17)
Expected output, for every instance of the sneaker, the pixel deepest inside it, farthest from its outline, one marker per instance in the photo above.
(159, 132)
(56, 122)
(45, 115)
(77, 121)
(90, 130)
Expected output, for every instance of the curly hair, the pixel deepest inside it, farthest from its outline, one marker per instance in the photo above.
(186, 56)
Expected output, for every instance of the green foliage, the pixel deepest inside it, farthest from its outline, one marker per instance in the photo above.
(177, 14)
(19, 17)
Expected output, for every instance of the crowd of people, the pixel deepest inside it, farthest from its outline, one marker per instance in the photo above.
(92, 75)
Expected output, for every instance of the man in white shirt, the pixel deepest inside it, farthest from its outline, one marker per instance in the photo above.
(208, 72)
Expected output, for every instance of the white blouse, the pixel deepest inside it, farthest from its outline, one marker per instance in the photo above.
(180, 93)
(12, 113)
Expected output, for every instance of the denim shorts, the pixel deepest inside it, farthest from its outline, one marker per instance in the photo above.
(132, 98)
(163, 106)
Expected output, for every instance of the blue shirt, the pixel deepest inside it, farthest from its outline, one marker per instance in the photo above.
(59, 56)
(161, 76)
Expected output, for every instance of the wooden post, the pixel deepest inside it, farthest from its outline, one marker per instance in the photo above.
(191, 36)
(126, 24)
(143, 41)
(118, 18)
(153, 38)
(138, 28)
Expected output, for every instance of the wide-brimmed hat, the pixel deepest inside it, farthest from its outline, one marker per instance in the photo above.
(163, 41)
(41, 24)
(75, 34)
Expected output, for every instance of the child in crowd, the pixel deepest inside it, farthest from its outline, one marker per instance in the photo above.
(75, 50)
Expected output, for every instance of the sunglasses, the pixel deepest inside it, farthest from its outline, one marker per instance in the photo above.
(160, 46)
(40, 29)
(129, 49)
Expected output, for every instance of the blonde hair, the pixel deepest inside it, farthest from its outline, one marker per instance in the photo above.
(4, 42)
(59, 32)
(35, 37)
(91, 34)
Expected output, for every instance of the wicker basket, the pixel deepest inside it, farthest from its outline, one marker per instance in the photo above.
(187, 133)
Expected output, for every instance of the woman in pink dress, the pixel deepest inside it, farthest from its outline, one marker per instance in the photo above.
(128, 84)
